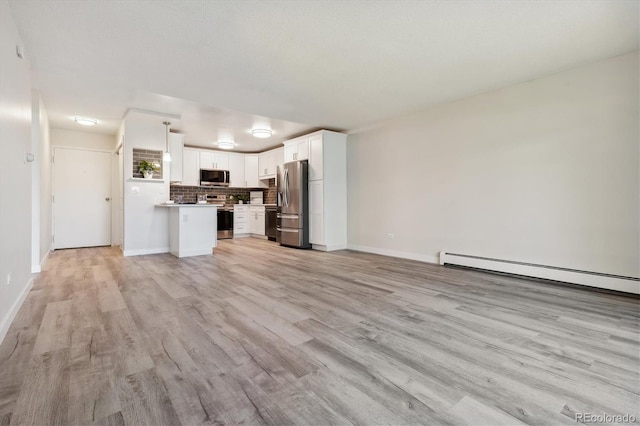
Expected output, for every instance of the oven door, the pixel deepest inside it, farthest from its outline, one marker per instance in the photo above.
(225, 224)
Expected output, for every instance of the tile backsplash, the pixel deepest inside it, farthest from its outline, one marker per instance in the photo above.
(190, 193)
(147, 155)
(270, 194)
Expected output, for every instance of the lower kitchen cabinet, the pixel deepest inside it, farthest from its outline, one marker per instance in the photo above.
(241, 226)
(316, 212)
(327, 215)
(256, 221)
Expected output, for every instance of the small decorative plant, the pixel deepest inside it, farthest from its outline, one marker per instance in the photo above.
(242, 198)
(147, 168)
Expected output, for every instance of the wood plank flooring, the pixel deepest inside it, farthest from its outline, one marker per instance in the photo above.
(261, 334)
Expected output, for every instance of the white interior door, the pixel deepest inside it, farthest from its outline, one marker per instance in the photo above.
(82, 198)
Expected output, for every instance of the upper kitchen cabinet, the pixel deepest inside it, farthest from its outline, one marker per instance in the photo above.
(237, 171)
(214, 160)
(251, 172)
(190, 167)
(176, 145)
(268, 162)
(316, 163)
(279, 157)
(296, 149)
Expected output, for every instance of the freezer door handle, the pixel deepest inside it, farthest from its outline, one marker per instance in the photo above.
(287, 230)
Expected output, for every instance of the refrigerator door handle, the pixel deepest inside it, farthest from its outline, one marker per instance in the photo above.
(288, 216)
(286, 187)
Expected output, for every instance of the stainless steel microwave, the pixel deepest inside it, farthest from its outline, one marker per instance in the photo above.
(209, 177)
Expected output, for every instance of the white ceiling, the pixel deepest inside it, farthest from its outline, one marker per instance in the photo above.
(332, 64)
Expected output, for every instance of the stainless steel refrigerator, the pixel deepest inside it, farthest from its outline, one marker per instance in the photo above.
(293, 205)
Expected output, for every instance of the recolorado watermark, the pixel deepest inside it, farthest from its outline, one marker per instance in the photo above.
(605, 418)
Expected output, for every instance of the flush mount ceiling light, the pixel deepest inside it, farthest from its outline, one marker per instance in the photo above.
(225, 144)
(85, 121)
(261, 133)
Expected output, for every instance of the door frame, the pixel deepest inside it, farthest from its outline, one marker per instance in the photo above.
(53, 189)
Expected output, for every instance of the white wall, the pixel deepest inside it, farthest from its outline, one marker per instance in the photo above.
(543, 172)
(46, 226)
(40, 184)
(146, 227)
(117, 237)
(82, 139)
(15, 174)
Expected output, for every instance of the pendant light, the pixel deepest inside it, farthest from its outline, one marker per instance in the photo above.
(167, 155)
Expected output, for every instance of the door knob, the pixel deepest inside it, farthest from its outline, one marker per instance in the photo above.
(107, 199)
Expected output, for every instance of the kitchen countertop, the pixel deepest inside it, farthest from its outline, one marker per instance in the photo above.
(190, 205)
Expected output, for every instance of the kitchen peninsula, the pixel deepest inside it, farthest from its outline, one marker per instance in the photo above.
(192, 228)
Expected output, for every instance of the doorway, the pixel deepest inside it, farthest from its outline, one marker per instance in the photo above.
(81, 198)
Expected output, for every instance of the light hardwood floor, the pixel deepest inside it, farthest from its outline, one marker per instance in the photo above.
(261, 334)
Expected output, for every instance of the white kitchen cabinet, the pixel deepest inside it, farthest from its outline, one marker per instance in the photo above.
(316, 163)
(190, 167)
(206, 160)
(221, 161)
(316, 212)
(328, 190)
(214, 160)
(236, 171)
(256, 220)
(241, 224)
(251, 172)
(290, 150)
(176, 146)
(303, 149)
(266, 164)
(296, 149)
(279, 159)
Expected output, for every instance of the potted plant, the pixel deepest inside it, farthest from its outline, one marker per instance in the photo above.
(147, 168)
(242, 198)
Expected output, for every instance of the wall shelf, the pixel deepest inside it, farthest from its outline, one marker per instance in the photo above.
(144, 180)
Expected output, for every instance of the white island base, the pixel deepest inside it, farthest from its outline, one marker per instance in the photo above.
(193, 229)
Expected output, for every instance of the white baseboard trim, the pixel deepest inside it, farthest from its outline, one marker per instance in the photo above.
(36, 269)
(591, 279)
(141, 252)
(8, 319)
(198, 252)
(394, 253)
(328, 248)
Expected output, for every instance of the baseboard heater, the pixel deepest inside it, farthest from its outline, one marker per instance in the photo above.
(574, 276)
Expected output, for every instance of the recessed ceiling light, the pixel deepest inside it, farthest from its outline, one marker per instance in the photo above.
(225, 144)
(261, 133)
(85, 121)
